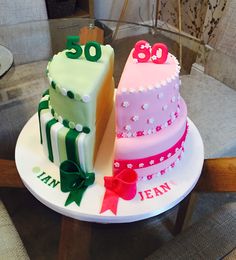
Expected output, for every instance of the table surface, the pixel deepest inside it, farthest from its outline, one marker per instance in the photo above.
(34, 43)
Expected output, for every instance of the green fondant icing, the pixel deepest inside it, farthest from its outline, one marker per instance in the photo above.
(70, 94)
(73, 44)
(83, 78)
(39, 176)
(71, 145)
(53, 183)
(53, 84)
(48, 135)
(65, 122)
(46, 179)
(86, 130)
(42, 105)
(61, 136)
(98, 52)
(53, 111)
(46, 92)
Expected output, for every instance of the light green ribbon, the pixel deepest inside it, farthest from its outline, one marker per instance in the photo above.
(75, 181)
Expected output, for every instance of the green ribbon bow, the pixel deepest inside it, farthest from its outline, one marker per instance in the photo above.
(75, 181)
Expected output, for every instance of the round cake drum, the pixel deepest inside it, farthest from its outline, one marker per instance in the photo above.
(41, 177)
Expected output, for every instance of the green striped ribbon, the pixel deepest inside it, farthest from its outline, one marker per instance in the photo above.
(71, 145)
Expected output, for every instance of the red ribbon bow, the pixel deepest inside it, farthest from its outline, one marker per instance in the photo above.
(122, 185)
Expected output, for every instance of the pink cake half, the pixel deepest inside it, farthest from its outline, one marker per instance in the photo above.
(147, 98)
(151, 118)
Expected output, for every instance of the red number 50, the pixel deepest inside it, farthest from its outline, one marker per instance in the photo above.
(143, 52)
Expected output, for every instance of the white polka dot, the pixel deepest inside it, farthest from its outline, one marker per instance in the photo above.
(141, 89)
(163, 82)
(161, 159)
(125, 104)
(149, 131)
(151, 162)
(164, 107)
(135, 118)
(151, 120)
(86, 98)
(116, 164)
(160, 95)
(169, 155)
(145, 106)
(141, 165)
(173, 99)
(63, 91)
(129, 134)
(129, 165)
(128, 127)
(79, 127)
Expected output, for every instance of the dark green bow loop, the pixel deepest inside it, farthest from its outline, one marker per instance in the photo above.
(75, 181)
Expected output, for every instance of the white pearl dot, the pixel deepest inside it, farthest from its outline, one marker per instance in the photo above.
(128, 127)
(145, 106)
(79, 127)
(63, 92)
(125, 104)
(151, 120)
(135, 118)
(160, 95)
(86, 98)
(164, 107)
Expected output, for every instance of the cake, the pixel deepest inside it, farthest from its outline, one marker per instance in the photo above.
(151, 116)
(74, 111)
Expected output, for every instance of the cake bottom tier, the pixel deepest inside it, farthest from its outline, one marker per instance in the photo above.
(61, 143)
(153, 154)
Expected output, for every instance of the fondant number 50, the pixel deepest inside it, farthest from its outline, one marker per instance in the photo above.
(143, 52)
(72, 43)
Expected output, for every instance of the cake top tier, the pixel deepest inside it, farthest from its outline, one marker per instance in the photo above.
(148, 98)
(79, 76)
(140, 76)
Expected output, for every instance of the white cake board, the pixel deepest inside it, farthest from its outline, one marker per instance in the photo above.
(6, 60)
(31, 163)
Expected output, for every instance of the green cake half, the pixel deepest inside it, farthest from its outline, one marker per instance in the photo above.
(74, 111)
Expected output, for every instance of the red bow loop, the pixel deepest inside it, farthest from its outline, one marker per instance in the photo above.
(122, 185)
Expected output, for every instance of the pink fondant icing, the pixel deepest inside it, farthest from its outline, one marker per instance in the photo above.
(130, 149)
(150, 118)
(148, 93)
